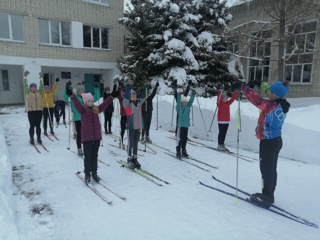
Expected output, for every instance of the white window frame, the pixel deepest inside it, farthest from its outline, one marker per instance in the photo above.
(261, 67)
(302, 53)
(10, 29)
(98, 2)
(100, 38)
(60, 33)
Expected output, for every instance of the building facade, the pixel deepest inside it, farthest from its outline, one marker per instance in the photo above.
(73, 40)
(255, 40)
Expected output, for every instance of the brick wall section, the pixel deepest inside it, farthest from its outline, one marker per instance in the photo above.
(253, 11)
(65, 10)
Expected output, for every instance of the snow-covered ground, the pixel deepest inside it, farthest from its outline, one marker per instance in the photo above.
(41, 197)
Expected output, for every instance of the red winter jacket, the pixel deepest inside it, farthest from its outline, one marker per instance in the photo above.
(224, 108)
(90, 124)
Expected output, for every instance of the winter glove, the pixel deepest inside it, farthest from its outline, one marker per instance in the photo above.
(251, 84)
(130, 82)
(236, 85)
(121, 83)
(157, 84)
(68, 84)
(190, 83)
(41, 74)
(180, 90)
(26, 73)
(265, 86)
(97, 85)
(57, 79)
(222, 88)
(69, 92)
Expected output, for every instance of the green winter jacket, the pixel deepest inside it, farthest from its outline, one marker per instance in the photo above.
(184, 112)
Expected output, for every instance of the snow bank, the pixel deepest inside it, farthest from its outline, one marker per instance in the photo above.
(8, 229)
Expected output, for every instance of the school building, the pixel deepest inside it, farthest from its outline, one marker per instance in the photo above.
(256, 41)
(77, 40)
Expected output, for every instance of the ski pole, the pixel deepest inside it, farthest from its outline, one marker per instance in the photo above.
(172, 111)
(69, 121)
(97, 92)
(192, 116)
(145, 130)
(239, 130)
(157, 110)
(202, 117)
(215, 112)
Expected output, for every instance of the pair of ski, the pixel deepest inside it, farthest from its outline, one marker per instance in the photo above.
(100, 195)
(183, 159)
(37, 149)
(53, 135)
(240, 156)
(275, 209)
(144, 173)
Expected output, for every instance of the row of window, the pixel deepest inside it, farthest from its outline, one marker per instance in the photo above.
(300, 46)
(53, 32)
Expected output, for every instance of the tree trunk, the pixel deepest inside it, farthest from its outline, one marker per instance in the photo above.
(282, 28)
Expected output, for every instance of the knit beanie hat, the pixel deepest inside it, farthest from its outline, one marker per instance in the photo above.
(86, 97)
(33, 85)
(106, 89)
(184, 99)
(279, 89)
(133, 92)
(46, 86)
(224, 95)
(80, 87)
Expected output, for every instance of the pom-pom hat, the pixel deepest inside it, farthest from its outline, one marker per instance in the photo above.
(33, 85)
(86, 97)
(279, 89)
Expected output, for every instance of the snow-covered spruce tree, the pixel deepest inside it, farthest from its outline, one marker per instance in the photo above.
(177, 41)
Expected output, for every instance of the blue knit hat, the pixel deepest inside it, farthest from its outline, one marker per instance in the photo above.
(33, 85)
(279, 89)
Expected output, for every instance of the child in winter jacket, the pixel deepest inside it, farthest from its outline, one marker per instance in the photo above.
(123, 114)
(90, 131)
(34, 109)
(183, 111)
(48, 104)
(223, 105)
(108, 112)
(273, 113)
(134, 121)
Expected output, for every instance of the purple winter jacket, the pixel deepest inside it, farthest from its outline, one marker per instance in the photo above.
(90, 124)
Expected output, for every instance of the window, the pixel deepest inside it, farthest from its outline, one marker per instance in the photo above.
(104, 2)
(95, 37)
(299, 52)
(11, 27)
(54, 32)
(259, 52)
(5, 80)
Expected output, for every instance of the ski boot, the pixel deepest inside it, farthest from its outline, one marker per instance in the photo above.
(220, 147)
(96, 177)
(261, 200)
(39, 140)
(142, 139)
(178, 155)
(148, 139)
(135, 161)
(225, 149)
(185, 154)
(130, 163)
(45, 132)
(32, 141)
(87, 179)
(51, 131)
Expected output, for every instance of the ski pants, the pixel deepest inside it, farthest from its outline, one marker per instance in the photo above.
(147, 116)
(223, 129)
(123, 125)
(60, 113)
(133, 139)
(78, 130)
(35, 121)
(182, 137)
(47, 113)
(90, 149)
(268, 154)
(107, 120)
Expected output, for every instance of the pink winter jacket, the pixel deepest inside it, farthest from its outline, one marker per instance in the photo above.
(90, 124)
